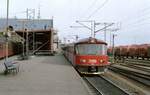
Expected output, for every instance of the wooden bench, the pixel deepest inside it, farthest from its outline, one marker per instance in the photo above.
(11, 67)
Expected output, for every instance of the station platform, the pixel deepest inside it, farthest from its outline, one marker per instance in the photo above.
(43, 75)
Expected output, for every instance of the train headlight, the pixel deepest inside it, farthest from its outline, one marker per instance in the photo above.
(92, 41)
(82, 60)
(101, 61)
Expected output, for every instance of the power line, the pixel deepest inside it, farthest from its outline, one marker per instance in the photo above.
(100, 7)
(140, 19)
(91, 5)
(136, 26)
(137, 22)
(141, 13)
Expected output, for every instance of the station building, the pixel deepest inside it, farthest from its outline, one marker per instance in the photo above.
(31, 27)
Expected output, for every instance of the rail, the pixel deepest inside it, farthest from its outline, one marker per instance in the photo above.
(138, 62)
(137, 76)
(104, 87)
(137, 66)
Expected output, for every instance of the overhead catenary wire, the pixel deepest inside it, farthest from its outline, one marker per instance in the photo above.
(142, 12)
(139, 20)
(90, 7)
(136, 23)
(141, 17)
(135, 27)
(100, 7)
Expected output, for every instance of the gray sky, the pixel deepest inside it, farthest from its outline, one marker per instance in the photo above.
(134, 16)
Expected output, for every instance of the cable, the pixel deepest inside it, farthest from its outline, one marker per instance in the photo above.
(141, 14)
(100, 7)
(135, 26)
(92, 4)
(138, 21)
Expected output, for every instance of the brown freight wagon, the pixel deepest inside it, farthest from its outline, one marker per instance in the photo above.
(132, 51)
(144, 51)
(148, 52)
(117, 52)
(124, 51)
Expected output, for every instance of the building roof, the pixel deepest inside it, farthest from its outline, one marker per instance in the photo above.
(20, 24)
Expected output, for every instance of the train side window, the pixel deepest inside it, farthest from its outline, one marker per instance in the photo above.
(76, 50)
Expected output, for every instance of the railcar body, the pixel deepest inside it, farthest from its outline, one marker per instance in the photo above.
(132, 51)
(13, 48)
(88, 56)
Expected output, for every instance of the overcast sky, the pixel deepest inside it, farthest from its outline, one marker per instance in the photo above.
(134, 16)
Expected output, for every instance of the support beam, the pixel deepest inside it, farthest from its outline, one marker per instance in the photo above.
(106, 26)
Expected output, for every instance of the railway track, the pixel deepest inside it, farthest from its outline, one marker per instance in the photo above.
(138, 67)
(138, 62)
(143, 65)
(137, 76)
(104, 87)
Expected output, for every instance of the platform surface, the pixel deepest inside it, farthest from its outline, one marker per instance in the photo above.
(43, 75)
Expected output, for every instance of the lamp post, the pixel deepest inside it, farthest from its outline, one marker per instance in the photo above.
(113, 47)
(27, 43)
(6, 32)
(7, 12)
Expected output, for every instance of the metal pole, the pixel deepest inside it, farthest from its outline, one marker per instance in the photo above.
(33, 33)
(7, 30)
(77, 37)
(26, 43)
(113, 47)
(7, 13)
(27, 13)
(94, 28)
(105, 32)
(23, 37)
(64, 40)
(91, 29)
(33, 14)
(110, 39)
(33, 41)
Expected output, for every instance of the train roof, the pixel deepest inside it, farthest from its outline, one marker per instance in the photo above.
(91, 40)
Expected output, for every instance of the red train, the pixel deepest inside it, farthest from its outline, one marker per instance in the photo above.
(13, 48)
(132, 51)
(88, 56)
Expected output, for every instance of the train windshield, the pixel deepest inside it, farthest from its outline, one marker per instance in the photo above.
(91, 49)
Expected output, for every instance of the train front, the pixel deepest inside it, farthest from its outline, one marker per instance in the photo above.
(91, 57)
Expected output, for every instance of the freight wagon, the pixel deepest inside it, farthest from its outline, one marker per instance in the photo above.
(132, 51)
